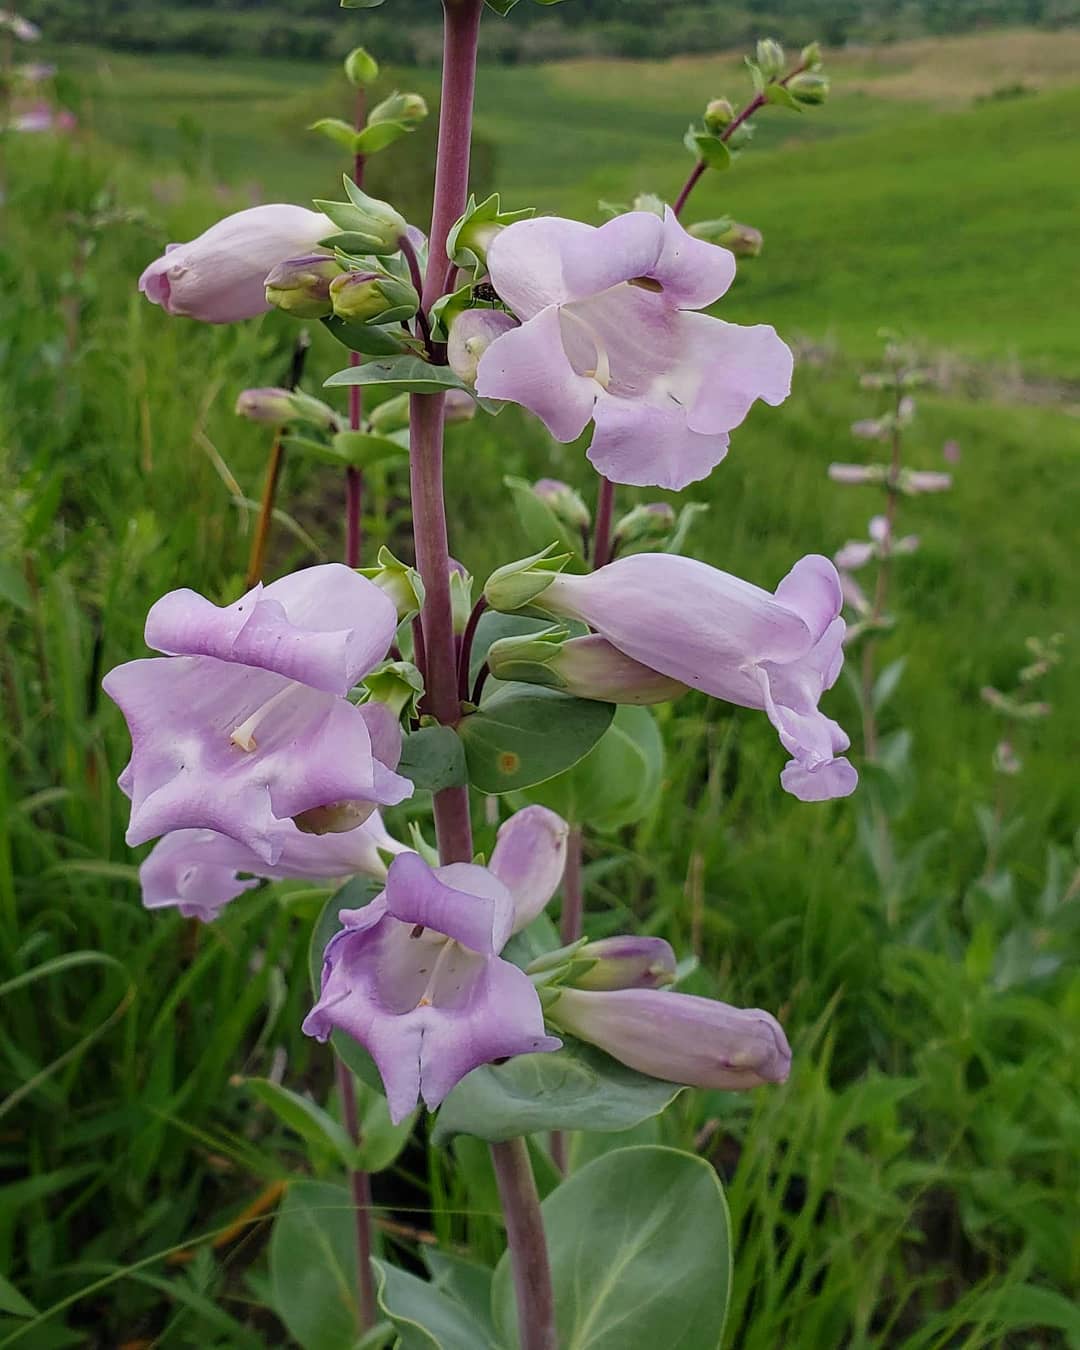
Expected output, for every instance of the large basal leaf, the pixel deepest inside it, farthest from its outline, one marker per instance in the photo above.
(525, 734)
(575, 1088)
(355, 894)
(618, 782)
(425, 1317)
(640, 1255)
(313, 1265)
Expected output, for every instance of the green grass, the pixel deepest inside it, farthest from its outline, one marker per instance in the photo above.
(912, 1185)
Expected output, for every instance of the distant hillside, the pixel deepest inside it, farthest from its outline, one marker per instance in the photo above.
(406, 31)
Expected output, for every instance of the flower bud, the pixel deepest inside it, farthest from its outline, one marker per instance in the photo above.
(458, 406)
(301, 286)
(400, 582)
(770, 57)
(678, 1037)
(718, 114)
(563, 502)
(361, 68)
(372, 297)
(398, 684)
(373, 226)
(1006, 760)
(390, 416)
(470, 237)
(515, 585)
(471, 334)
(461, 585)
(914, 481)
(627, 962)
(265, 405)
(649, 201)
(857, 473)
(587, 667)
(809, 87)
(644, 524)
(408, 110)
(810, 56)
(950, 452)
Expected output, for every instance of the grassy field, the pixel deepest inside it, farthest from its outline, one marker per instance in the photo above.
(914, 1183)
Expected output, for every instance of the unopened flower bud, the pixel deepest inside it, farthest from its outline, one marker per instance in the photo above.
(627, 962)
(400, 582)
(361, 68)
(770, 57)
(471, 236)
(857, 473)
(562, 500)
(301, 286)
(678, 1037)
(644, 524)
(915, 481)
(871, 429)
(471, 334)
(743, 240)
(372, 297)
(809, 87)
(649, 201)
(950, 452)
(718, 114)
(265, 405)
(1006, 760)
(587, 667)
(810, 56)
(458, 406)
(373, 226)
(334, 818)
(391, 415)
(398, 684)
(408, 110)
(461, 587)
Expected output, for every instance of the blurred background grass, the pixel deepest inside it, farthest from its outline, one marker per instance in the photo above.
(914, 1184)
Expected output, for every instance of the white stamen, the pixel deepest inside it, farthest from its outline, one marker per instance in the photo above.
(244, 735)
(427, 998)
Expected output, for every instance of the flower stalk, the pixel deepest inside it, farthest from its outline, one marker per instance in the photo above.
(517, 1188)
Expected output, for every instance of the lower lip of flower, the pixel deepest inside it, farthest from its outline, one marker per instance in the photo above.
(601, 373)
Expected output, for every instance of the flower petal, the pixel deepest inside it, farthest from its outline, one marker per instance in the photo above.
(529, 858)
(324, 626)
(692, 272)
(463, 901)
(835, 778)
(647, 443)
(529, 365)
(736, 365)
(548, 261)
(812, 591)
(498, 1016)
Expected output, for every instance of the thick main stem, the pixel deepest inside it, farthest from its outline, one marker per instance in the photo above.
(572, 890)
(360, 1185)
(517, 1188)
(528, 1247)
(605, 508)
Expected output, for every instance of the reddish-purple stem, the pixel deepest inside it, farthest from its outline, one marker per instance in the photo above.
(605, 507)
(465, 649)
(360, 1185)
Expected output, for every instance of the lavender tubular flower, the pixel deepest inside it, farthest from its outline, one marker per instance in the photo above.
(679, 1037)
(244, 723)
(733, 640)
(198, 871)
(432, 1005)
(220, 277)
(608, 334)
